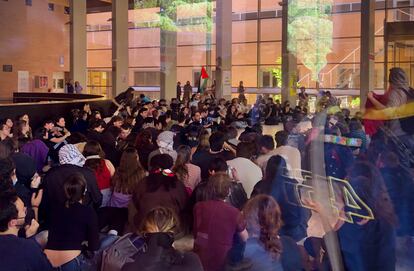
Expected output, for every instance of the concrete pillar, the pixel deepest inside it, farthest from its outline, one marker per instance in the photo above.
(259, 42)
(168, 54)
(120, 62)
(367, 61)
(78, 42)
(209, 15)
(289, 69)
(224, 50)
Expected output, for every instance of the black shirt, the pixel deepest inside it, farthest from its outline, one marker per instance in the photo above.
(54, 195)
(25, 167)
(22, 254)
(69, 227)
(93, 135)
(203, 159)
(160, 256)
(368, 247)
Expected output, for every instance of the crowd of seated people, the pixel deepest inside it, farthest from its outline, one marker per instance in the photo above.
(119, 192)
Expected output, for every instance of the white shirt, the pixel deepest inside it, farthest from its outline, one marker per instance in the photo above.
(291, 156)
(247, 171)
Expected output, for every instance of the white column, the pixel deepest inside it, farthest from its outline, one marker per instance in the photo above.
(78, 42)
(224, 50)
(367, 61)
(119, 46)
(168, 55)
(289, 74)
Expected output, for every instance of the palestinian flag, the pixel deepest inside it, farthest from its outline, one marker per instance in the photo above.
(202, 85)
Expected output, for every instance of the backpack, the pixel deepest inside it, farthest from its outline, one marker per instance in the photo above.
(407, 123)
(122, 252)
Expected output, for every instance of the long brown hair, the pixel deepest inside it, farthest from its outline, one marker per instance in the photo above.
(93, 148)
(129, 172)
(75, 188)
(218, 186)
(263, 219)
(144, 139)
(18, 130)
(180, 167)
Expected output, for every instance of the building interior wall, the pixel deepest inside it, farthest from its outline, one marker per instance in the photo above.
(35, 39)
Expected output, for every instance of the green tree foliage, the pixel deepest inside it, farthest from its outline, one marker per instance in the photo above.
(310, 31)
(166, 17)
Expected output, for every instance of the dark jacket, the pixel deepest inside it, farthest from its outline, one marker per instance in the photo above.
(261, 260)
(25, 167)
(144, 200)
(93, 135)
(22, 254)
(368, 247)
(53, 187)
(400, 186)
(295, 218)
(161, 256)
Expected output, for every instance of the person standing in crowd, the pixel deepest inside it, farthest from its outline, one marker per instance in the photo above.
(178, 91)
(303, 96)
(69, 87)
(78, 88)
(241, 90)
(188, 91)
(213, 88)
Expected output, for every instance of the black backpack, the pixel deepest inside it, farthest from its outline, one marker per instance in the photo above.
(407, 123)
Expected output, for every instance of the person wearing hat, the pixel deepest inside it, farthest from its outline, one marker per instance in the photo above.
(165, 142)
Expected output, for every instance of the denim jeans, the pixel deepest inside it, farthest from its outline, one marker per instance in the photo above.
(80, 263)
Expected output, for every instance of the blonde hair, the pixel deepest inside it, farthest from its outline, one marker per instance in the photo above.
(160, 219)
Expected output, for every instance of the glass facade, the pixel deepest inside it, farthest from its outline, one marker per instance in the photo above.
(256, 46)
